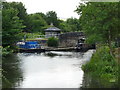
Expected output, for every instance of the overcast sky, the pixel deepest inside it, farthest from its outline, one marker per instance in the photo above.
(63, 8)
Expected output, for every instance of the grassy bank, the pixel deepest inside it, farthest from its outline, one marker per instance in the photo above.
(102, 65)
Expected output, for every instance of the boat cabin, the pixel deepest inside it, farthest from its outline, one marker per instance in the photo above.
(29, 45)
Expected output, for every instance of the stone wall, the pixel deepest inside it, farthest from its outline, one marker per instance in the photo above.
(51, 34)
(70, 39)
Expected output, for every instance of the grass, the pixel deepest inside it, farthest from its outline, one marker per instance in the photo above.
(33, 35)
(30, 39)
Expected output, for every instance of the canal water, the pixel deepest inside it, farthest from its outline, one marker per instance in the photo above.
(45, 70)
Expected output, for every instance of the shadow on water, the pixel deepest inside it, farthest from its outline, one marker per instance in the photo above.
(12, 74)
(65, 54)
(94, 82)
(49, 54)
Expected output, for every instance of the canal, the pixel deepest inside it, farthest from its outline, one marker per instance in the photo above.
(45, 70)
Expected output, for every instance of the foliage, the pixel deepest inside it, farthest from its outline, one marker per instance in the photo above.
(70, 25)
(6, 51)
(36, 23)
(100, 21)
(73, 24)
(52, 42)
(12, 27)
(64, 26)
(51, 17)
(102, 65)
(42, 15)
(22, 14)
(33, 36)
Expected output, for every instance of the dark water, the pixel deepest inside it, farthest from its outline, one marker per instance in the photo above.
(45, 70)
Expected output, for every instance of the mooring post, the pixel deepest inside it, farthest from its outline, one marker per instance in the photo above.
(25, 38)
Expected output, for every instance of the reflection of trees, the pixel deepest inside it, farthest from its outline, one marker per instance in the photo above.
(93, 82)
(12, 75)
(51, 54)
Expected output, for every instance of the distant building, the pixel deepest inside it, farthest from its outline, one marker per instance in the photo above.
(52, 32)
(70, 39)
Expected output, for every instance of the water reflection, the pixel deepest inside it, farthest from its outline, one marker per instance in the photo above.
(93, 82)
(78, 55)
(12, 74)
(53, 69)
(45, 70)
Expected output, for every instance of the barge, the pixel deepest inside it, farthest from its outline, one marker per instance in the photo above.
(30, 47)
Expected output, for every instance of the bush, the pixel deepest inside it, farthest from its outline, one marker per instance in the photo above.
(52, 42)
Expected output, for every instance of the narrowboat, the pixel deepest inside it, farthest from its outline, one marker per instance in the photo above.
(30, 46)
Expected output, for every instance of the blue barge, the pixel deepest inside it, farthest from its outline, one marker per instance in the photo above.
(30, 46)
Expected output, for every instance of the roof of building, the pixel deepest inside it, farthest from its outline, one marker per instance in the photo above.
(53, 29)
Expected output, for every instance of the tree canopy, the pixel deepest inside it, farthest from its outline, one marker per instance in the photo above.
(70, 25)
(51, 17)
(12, 26)
(36, 23)
(99, 20)
(22, 14)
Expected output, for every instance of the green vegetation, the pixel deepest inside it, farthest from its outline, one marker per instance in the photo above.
(17, 23)
(21, 11)
(51, 17)
(33, 35)
(12, 27)
(70, 25)
(99, 21)
(36, 23)
(102, 65)
(52, 42)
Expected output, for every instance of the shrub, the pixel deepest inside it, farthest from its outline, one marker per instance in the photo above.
(52, 42)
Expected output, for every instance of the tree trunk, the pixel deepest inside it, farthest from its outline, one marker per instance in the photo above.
(110, 43)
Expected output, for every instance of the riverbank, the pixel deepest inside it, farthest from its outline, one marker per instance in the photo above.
(103, 66)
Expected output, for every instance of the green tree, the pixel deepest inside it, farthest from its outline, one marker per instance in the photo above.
(51, 17)
(99, 20)
(42, 15)
(73, 24)
(65, 27)
(70, 25)
(36, 23)
(12, 27)
(22, 14)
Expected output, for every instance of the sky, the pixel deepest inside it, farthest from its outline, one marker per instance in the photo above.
(63, 8)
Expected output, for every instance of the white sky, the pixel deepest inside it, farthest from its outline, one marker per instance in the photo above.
(63, 8)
